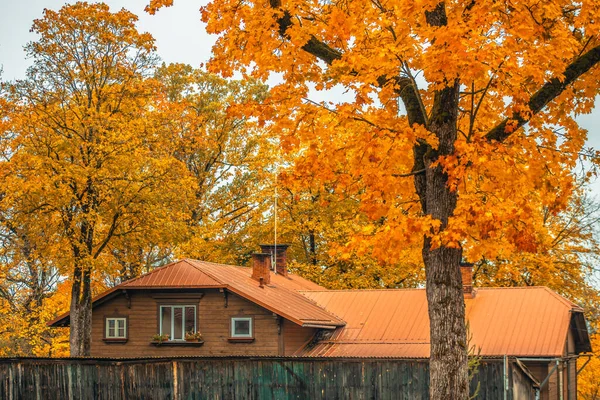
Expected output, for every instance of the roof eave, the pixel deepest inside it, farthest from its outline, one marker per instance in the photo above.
(297, 321)
(64, 320)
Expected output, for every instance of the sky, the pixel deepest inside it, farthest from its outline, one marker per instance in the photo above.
(180, 37)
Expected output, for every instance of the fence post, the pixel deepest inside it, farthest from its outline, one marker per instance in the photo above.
(10, 381)
(175, 381)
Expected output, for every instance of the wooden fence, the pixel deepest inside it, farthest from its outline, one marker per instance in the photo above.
(229, 378)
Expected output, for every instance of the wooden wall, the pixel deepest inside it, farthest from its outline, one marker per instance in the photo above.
(213, 321)
(295, 337)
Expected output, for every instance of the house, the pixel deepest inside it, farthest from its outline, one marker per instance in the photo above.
(260, 311)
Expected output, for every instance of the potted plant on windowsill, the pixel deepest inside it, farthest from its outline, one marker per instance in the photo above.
(193, 336)
(158, 338)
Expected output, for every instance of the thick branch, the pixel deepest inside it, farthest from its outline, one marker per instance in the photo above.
(404, 87)
(546, 94)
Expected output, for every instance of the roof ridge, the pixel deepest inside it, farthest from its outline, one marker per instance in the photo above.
(333, 341)
(409, 289)
(149, 273)
(214, 263)
(311, 301)
(187, 260)
(563, 299)
(510, 287)
(361, 290)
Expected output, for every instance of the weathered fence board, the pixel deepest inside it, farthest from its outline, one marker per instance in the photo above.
(244, 378)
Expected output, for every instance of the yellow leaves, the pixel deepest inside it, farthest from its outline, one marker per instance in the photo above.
(588, 382)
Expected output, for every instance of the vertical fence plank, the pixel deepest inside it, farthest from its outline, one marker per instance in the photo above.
(243, 378)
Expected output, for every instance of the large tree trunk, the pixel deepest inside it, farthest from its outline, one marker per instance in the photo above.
(448, 359)
(80, 335)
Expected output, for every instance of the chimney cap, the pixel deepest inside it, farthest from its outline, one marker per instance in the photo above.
(279, 254)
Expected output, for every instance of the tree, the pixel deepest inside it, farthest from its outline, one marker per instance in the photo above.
(85, 166)
(226, 155)
(564, 260)
(499, 77)
(588, 384)
(321, 216)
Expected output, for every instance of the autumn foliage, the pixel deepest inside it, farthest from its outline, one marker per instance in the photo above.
(454, 140)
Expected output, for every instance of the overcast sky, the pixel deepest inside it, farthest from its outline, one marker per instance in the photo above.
(179, 34)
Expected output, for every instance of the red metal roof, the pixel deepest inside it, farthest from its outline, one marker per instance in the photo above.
(280, 296)
(531, 321)
(276, 296)
(178, 274)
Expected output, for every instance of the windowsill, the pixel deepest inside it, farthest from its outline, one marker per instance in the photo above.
(178, 343)
(241, 339)
(114, 340)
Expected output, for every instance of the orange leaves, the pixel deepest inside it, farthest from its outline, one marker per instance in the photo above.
(155, 5)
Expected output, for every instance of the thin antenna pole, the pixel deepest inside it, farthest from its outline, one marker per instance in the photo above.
(274, 263)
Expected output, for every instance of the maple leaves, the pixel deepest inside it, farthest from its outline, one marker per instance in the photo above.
(113, 164)
(489, 68)
(84, 161)
(428, 155)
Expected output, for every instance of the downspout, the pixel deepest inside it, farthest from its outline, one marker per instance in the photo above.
(567, 364)
(560, 380)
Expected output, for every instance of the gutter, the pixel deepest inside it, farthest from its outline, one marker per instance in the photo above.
(319, 326)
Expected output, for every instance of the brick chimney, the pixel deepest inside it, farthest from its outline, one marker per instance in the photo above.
(280, 256)
(261, 268)
(466, 272)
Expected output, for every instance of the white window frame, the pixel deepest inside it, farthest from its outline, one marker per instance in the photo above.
(173, 307)
(116, 335)
(238, 335)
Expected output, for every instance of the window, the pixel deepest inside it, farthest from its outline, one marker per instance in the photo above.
(241, 327)
(116, 328)
(175, 321)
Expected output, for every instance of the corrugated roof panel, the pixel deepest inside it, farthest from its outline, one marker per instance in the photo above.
(411, 321)
(530, 321)
(288, 303)
(291, 282)
(177, 274)
(376, 326)
(394, 350)
(281, 296)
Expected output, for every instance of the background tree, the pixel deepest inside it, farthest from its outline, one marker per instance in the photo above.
(227, 156)
(84, 162)
(490, 67)
(588, 382)
(321, 215)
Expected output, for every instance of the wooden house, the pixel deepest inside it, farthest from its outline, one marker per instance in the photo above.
(270, 312)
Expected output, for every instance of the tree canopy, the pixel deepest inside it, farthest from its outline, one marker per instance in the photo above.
(484, 143)
(455, 141)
